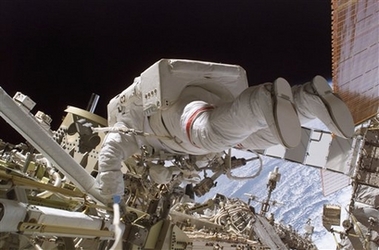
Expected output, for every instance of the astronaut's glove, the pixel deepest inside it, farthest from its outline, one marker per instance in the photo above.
(117, 199)
(160, 174)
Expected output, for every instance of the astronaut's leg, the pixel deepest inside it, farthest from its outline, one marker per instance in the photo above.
(116, 148)
(267, 106)
(262, 139)
(315, 99)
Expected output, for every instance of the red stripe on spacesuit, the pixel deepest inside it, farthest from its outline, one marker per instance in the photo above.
(239, 146)
(193, 118)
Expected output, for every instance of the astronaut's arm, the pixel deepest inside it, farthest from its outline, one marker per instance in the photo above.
(116, 148)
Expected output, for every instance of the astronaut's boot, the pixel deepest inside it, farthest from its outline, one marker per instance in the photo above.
(316, 99)
(282, 119)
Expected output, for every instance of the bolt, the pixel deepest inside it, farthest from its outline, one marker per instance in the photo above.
(137, 235)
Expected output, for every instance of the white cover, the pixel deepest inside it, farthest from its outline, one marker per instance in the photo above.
(162, 83)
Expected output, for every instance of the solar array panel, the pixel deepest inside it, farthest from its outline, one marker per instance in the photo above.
(355, 55)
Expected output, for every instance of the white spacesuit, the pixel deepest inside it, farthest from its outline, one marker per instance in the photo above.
(202, 120)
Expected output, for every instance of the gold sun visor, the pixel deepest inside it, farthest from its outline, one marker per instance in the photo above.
(355, 55)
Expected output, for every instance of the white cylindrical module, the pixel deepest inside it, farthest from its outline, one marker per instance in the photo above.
(49, 221)
(11, 214)
(53, 216)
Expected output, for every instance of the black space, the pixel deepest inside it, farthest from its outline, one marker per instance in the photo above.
(59, 52)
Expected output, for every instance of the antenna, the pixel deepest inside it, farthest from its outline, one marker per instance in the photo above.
(92, 103)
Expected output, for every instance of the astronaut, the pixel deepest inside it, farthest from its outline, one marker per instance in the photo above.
(201, 121)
